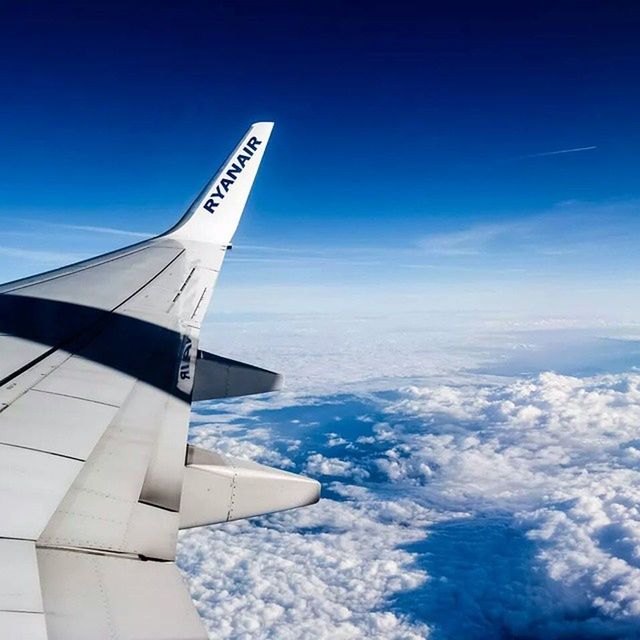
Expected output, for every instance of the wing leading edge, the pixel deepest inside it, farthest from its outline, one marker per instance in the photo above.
(97, 368)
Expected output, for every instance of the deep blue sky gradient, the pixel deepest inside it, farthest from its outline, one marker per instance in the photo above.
(394, 121)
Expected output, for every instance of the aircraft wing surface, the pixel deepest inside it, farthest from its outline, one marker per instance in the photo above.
(99, 363)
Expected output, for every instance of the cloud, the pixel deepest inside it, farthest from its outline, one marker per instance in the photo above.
(513, 502)
(321, 572)
(327, 571)
(319, 465)
(370, 350)
(334, 440)
(471, 241)
(238, 442)
(559, 458)
(572, 228)
(104, 230)
(559, 152)
(41, 256)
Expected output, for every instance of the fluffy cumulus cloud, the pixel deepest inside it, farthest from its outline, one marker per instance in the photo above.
(322, 572)
(483, 508)
(319, 465)
(556, 457)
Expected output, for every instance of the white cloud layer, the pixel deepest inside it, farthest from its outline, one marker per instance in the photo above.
(322, 572)
(559, 456)
(488, 510)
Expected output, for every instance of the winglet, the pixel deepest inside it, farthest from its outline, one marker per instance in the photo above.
(215, 213)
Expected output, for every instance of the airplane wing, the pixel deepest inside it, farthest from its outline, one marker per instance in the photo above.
(99, 363)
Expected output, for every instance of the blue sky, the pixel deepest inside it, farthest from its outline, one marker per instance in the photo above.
(409, 146)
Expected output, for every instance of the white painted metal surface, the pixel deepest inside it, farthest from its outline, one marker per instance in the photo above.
(217, 377)
(98, 509)
(55, 423)
(104, 284)
(219, 488)
(90, 380)
(215, 214)
(19, 578)
(17, 625)
(60, 307)
(88, 596)
(32, 485)
(16, 351)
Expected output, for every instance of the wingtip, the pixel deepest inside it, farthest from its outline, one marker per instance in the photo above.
(198, 223)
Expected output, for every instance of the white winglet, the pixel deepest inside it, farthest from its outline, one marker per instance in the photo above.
(215, 213)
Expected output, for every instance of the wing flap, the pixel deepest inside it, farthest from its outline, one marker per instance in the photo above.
(104, 596)
(32, 485)
(101, 510)
(19, 580)
(18, 625)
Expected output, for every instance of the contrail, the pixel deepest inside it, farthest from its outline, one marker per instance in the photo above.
(560, 151)
(110, 230)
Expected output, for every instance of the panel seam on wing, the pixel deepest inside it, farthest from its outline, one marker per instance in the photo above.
(96, 325)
